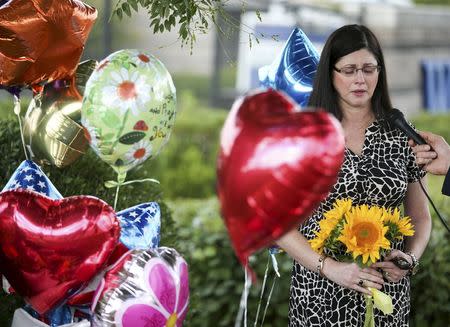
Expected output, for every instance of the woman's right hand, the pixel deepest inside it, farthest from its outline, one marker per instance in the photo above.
(350, 275)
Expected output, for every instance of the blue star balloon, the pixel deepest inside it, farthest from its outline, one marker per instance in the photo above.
(140, 226)
(29, 176)
(294, 69)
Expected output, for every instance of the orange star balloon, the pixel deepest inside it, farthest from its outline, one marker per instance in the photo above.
(42, 40)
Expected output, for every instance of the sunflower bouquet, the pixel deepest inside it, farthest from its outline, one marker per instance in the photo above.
(362, 234)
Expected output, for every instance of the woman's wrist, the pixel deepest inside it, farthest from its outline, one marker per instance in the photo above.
(414, 265)
(321, 265)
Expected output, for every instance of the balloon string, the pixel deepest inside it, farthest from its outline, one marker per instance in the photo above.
(263, 287)
(268, 299)
(17, 109)
(117, 196)
(274, 263)
(243, 302)
(120, 181)
(111, 184)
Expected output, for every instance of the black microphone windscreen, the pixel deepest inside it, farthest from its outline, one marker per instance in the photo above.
(396, 119)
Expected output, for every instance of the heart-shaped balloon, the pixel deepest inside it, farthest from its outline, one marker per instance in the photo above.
(140, 228)
(294, 69)
(49, 249)
(145, 288)
(275, 165)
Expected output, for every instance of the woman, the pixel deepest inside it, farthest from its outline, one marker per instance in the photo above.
(379, 169)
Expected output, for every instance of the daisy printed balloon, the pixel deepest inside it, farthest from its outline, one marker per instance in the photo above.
(129, 108)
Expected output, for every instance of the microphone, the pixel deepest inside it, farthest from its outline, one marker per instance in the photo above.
(395, 117)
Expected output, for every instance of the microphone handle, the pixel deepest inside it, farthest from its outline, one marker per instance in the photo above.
(417, 138)
(411, 133)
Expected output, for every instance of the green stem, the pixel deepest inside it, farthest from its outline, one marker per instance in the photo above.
(369, 319)
(120, 131)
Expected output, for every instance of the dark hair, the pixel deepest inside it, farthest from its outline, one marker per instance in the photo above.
(345, 40)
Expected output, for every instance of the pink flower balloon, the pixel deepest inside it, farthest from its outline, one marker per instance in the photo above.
(145, 288)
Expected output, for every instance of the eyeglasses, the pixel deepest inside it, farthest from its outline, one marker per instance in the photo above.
(351, 71)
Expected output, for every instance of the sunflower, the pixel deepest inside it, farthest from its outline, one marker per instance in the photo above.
(364, 233)
(329, 223)
(333, 216)
(318, 242)
(399, 226)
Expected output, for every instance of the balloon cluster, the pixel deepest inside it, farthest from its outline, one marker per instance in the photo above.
(45, 269)
(124, 108)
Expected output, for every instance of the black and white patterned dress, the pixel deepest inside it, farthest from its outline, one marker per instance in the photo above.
(379, 176)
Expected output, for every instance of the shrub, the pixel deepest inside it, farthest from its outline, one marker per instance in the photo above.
(216, 276)
(430, 287)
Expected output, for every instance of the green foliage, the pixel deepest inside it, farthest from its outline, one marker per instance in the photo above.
(430, 287)
(433, 2)
(198, 86)
(438, 124)
(189, 16)
(215, 275)
(186, 166)
(86, 176)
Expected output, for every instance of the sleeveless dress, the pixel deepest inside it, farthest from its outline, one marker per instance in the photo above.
(380, 176)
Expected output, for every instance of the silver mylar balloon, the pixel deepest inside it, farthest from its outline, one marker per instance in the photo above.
(145, 287)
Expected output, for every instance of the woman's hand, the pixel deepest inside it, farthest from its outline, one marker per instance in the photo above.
(390, 271)
(351, 276)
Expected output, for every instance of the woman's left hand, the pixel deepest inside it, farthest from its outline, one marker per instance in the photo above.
(390, 271)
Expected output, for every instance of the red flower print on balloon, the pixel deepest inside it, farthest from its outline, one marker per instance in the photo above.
(140, 126)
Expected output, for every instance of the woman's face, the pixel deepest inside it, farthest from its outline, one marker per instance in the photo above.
(355, 77)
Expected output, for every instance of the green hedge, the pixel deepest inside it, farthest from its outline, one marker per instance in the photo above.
(216, 276)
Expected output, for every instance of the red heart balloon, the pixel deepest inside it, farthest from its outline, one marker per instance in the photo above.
(275, 165)
(49, 249)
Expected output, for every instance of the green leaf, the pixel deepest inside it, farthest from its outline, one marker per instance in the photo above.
(258, 14)
(133, 4)
(132, 137)
(119, 13)
(126, 9)
(172, 20)
(156, 28)
(167, 25)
